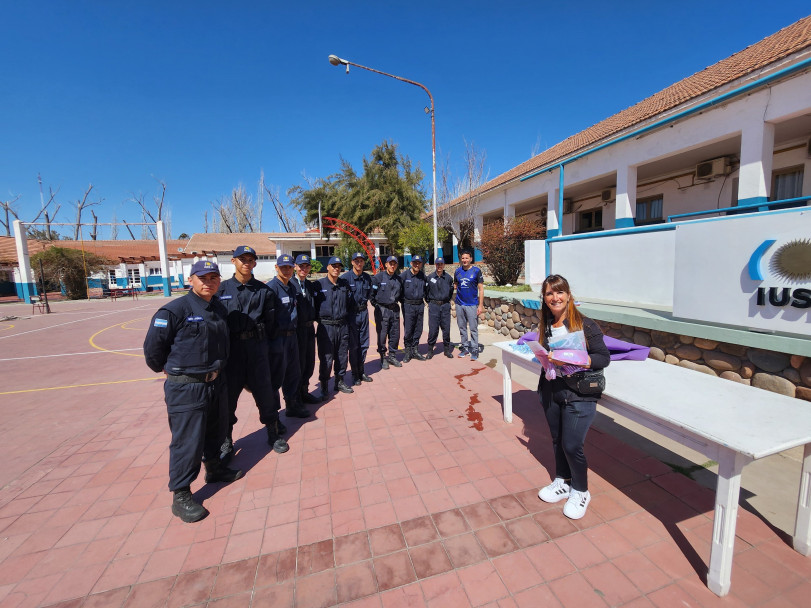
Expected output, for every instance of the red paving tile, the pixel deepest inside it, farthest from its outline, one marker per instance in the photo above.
(384, 500)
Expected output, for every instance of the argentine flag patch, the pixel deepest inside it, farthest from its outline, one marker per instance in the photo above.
(161, 323)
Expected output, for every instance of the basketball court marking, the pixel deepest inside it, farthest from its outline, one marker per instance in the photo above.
(118, 351)
(90, 352)
(56, 388)
(7, 326)
(31, 331)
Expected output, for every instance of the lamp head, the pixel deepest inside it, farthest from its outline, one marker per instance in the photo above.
(335, 60)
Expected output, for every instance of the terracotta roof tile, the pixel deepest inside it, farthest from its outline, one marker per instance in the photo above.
(224, 242)
(114, 250)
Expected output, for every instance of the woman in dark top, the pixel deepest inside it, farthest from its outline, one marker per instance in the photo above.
(568, 412)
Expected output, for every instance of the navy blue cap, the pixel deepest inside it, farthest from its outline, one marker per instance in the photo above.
(335, 260)
(417, 258)
(284, 260)
(204, 267)
(391, 258)
(439, 261)
(244, 249)
(358, 255)
(303, 259)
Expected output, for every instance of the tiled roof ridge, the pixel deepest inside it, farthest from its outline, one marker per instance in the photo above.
(786, 41)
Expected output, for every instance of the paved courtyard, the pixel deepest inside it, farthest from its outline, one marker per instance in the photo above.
(410, 492)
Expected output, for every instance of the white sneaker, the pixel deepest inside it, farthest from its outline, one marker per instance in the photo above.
(576, 506)
(555, 491)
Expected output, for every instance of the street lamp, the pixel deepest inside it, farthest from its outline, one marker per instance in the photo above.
(335, 60)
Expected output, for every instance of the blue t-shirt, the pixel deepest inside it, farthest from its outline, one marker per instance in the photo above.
(468, 281)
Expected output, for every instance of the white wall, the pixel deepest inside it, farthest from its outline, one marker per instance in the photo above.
(534, 263)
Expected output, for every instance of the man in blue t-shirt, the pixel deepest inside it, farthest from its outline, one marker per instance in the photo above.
(469, 304)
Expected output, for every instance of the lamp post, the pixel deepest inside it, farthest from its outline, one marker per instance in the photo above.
(335, 60)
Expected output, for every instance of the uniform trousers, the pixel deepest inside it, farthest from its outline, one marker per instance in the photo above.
(248, 366)
(285, 372)
(358, 341)
(197, 420)
(387, 323)
(412, 324)
(306, 354)
(333, 344)
(439, 317)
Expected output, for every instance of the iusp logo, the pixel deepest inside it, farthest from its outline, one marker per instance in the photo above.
(790, 263)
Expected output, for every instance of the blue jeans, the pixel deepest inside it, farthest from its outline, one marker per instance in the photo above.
(568, 424)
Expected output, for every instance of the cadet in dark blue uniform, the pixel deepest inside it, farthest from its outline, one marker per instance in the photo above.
(285, 372)
(360, 284)
(305, 331)
(414, 283)
(439, 293)
(188, 341)
(333, 305)
(387, 291)
(251, 309)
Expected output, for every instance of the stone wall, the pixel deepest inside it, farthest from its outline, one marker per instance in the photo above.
(778, 372)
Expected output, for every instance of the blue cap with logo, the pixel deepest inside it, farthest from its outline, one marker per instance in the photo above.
(391, 258)
(439, 261)
(244, 249)
(204, 267)
(358, 255)
(284, 260)
(417, 258)
(303, 259)
(335, 260)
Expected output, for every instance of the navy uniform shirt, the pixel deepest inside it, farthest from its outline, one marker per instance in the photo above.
(332, 301)
(386, 289)
(413, 285)
(286, 310)
(439, 287)
(360, 287)
(306, 300)
(187, 336)
(251, 306)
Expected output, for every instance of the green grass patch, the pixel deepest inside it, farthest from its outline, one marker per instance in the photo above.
(511, 288)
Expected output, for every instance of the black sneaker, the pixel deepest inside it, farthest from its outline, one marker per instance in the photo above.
(217, 472)
(186, 508)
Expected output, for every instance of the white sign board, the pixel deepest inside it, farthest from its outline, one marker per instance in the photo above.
(752, 272)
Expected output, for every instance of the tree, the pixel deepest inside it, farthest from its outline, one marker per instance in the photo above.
(183, 236)
(235, 214)
(388, 194)
(71, 267)
(502, 246)
(419, 237)
(80, 205)
(147, 231)
(466, 191)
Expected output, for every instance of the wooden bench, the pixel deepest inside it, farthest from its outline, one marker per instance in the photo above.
(729, 422)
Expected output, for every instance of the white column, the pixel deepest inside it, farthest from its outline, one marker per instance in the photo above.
(625, 204)
(123, 269)
(755, 175)
(167, 287)
(552, 219)
(26, 276)
(312, 250)
(478, 227)
(508, 210)
(144, 275)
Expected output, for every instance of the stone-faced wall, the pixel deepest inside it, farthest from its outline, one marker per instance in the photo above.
(777, 372)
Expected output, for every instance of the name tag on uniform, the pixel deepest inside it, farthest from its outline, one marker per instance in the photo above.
(226, 297)
(161, 323)
(195, 319)
(408, 280)
(286, 300)
(433, 280)
(383, 283)
(324, 291)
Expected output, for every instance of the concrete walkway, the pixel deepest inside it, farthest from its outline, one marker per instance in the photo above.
(410, 492)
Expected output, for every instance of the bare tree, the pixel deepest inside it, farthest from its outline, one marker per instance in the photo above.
(289, 222)
(127, 226)
(44, 208)
(236, 213)
(261, 196)
(8, 212)
(464, 193)
(81, 205)
(114, 228)
(205, 221)
(94, 231)
(147, 231)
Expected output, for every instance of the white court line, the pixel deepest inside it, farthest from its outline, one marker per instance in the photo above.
(90, 352)
(31, 331)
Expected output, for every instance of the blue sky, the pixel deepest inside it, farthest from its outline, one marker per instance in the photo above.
(203, 95)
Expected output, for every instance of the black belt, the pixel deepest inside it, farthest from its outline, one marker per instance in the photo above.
(192, 378)
(414, 302)
(440, 302)
(285, 332)
(246, 335)
(333, 321)
(389, 306)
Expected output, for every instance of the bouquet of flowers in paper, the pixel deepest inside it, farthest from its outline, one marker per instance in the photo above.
(570, 354)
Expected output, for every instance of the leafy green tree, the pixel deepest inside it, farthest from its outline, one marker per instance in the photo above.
(70, 267)
(388, 194)
(502, 246)
(419, 238)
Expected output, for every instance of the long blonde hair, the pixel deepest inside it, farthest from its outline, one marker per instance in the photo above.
(555, 282)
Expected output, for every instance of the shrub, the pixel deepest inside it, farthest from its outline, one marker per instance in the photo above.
(502, 246)
(70, 267)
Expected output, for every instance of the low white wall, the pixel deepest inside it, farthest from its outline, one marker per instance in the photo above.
(534, 262)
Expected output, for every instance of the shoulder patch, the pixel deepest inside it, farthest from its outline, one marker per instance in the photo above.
(161, 323)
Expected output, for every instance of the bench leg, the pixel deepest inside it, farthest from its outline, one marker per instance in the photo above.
(727, 494)
(802, 528)
(507, 389)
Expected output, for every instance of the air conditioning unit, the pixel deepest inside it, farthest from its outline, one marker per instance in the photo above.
(716, 167)
(568, 205)
(608, 195)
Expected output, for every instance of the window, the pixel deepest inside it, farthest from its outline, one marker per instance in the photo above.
(649, 210)
(154, 272)
(590, 221)
(324, 251)
(787, 183)
(134, 276)
(111, 278)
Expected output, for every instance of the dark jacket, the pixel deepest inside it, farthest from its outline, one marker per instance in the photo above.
(600, 357)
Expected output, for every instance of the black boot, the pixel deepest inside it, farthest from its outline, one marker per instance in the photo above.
(384, 363)
(366, 378)
(227, 450)
(356, 381)
(294, 410)
(392, 359)
(185, 507)
(217, 472)
(449, 351)
(308, 398)
(275, 439)
(415, 354)
(323, 394)
(407, 356)
(430, 354)
(341, 386)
